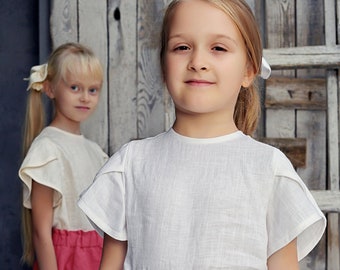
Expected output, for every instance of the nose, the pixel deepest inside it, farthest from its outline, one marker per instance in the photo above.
(198, 62)
(84, 96)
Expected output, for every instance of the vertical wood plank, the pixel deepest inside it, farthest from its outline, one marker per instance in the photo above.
(338, 20)
(280, 25)
(122, 76)
(280, 124)
(333, 168)
(150, 96)
(333, 259)
(93, 33)
(312, 126)
(257, 7)
(310, 30)
(64, 26)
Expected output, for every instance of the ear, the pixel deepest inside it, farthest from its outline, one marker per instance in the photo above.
(249, 75)
(48, 89)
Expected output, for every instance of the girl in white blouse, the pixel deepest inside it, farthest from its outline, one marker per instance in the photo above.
(204, 194)
(60, 162)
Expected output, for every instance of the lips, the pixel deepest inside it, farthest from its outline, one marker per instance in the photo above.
(195, 82)
(83, 108)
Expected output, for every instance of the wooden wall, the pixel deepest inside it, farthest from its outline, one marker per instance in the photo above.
(300, 100)
(290, 95)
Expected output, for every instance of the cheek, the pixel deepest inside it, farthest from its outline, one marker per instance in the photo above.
(95, 100)
(171, 64)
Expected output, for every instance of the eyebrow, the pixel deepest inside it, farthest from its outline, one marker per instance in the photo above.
(213, 35)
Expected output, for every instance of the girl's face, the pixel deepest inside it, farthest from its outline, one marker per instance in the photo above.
(75, 98)
(205, 61)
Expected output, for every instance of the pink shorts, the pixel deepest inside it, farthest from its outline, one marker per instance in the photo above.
(76, 250)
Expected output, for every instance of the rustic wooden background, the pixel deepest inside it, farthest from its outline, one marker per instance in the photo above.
(300, 100)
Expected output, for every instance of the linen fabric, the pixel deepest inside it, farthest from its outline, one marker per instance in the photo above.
(184, 203)
(66, 163)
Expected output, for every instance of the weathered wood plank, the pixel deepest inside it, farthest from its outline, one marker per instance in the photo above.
(338, 20)
(259, 12)
(280, 23)
(70, 23)
(333, 258)
(311, 95)
(303, 57)
(327, 200)
(280, 123)
(96, 127)
(122, 75)
(63, 22)
(312, 126)
(310, 30)
(280, 26)
(150, 96)
(333, 167)
(296, 93)
(293, 148)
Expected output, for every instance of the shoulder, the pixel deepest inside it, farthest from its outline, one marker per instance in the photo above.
(134, 150)
(95, 147)
(43, 147)
(257, 145)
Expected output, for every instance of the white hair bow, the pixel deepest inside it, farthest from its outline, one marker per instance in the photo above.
(37, 77)
(265, 69)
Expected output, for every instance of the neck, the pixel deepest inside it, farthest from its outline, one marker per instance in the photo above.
(71, 128)
(203, 125)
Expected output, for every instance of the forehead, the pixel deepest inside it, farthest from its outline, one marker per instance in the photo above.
(74, 67)
(200, 17)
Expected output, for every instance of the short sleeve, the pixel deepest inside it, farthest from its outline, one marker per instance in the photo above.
(104, 201)
(42, 165)
(292, 212)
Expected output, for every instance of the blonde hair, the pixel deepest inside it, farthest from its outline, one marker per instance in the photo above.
(248, 108)
(69, 58)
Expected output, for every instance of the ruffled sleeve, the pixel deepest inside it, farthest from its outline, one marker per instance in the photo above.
(104, 201)
(42, 165)
(292, 211)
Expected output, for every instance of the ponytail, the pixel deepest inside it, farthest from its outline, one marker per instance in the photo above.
(34, 123)
(247, 110)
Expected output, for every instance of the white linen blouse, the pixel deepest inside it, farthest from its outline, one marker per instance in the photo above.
(184, 203)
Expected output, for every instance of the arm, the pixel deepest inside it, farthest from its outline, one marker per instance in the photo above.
(285, 258)
(42, 218)
(114, 252)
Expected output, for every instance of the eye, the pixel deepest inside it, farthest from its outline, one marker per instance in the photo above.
(93, 91)
(219, 49)
(75, 88)
(182, 48)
